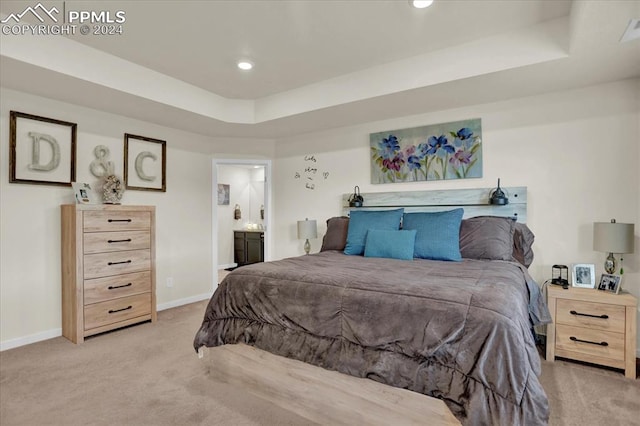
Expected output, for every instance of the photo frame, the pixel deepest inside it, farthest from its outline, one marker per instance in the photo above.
(584, 275)
(83, 192)
(145, 163)
(610, 283)
(42, 150)
(223, 194)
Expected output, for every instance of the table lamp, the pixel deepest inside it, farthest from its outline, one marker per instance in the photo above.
(613, 237)
(307, 229)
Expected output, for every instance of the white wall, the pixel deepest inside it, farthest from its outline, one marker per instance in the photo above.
(30, 286)
(576, 151)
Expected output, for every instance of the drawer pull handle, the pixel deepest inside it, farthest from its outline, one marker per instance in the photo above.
(603, 316)
(113, 311)
(113, 287)
(118, 263)
(575, 339)
(128, 240)
(119, 220)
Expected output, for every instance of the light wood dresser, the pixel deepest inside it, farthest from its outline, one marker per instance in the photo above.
(108, 268)
(593, 326)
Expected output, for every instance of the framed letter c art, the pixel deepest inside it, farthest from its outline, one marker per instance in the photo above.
(41, 150)
(145, 163)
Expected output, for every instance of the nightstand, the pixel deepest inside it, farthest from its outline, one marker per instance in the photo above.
(593, 326)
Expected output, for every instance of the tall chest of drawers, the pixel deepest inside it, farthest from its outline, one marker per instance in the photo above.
(108, 268)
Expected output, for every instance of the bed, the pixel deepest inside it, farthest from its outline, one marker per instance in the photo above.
(460, 331)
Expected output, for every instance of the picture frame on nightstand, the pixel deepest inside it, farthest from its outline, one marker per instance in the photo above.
(610, 283)
(584, 275)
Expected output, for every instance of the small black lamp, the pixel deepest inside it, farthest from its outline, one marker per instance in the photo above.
(498, 197)
(560, 275)
(356, 200)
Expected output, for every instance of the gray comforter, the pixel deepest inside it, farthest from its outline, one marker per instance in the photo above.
(458, 331)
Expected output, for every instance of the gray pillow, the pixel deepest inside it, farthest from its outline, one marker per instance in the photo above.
(522, 241)
(487, 237)
(336, 236)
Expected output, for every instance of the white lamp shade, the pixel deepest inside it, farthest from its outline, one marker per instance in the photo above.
(613, 237)
(307, 229)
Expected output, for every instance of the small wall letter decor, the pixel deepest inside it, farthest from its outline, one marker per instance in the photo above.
(41, 150)
(145, 163)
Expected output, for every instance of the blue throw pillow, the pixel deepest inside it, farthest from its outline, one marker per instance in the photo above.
(438, 236)
(390, 244)
(361, 221)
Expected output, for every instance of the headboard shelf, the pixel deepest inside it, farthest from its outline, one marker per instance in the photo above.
(475, 202)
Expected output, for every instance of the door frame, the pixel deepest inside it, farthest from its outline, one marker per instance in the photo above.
(267, 206)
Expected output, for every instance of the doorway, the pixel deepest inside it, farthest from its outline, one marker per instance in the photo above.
(241, 202)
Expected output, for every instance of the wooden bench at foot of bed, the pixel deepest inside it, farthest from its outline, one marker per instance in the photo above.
(322, 396)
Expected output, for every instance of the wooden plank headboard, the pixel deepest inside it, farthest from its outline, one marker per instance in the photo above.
(475, 202)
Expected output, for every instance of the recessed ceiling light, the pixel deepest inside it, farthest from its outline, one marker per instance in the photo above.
(420, 4)
(245, 65)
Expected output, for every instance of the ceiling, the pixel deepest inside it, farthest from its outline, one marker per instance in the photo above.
(318, 64)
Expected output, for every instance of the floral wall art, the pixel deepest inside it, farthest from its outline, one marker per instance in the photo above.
(434, 152)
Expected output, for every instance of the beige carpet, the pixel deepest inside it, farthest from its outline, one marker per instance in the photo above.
(150, 375)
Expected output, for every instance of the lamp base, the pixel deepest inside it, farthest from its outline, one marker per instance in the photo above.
(610, 264)
(307, 246)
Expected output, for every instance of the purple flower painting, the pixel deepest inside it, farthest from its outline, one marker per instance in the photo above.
(435, 152)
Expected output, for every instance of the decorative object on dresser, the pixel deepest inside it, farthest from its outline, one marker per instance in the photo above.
(610, 283)
(307, 229)
(560, 275)
(613, 238)
(108, 268)
(41, 150)
(593, 326)
(584, 275)
(145, 163)
(248, 247)
(83, 193)
(112, 190)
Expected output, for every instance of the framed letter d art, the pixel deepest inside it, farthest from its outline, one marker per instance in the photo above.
(41, 150)
(145, 163)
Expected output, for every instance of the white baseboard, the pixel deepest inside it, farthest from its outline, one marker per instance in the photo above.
(57, 332)
(185, 301)
(32, 338)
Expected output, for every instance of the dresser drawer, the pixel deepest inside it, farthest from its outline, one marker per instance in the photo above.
(100, 242)
(614, 315)
(614, 350)
(112, 311)
(102, 289)
(115, 263)
(108, 220)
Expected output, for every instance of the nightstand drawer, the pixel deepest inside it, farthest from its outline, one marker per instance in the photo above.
(108, 220)
(102, 289)
(590, 343)
(100, 314)
(600, 316)
(119, 262)
(101, 242)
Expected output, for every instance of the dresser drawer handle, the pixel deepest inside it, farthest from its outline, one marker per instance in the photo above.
(119, 220)
(113, 287)
(575, 339)
(603, 316)
(113, 311)
(118, 263)
(128, 240)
